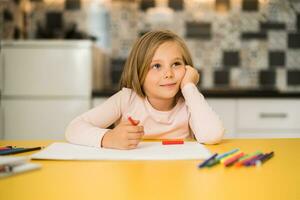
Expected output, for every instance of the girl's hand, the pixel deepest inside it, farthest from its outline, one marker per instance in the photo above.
(123, 136)
(191, 76)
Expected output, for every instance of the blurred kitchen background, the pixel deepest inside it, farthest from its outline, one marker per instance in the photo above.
(60, 58)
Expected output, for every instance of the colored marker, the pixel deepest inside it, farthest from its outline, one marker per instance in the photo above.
(264, 158)
(246, 156)
(233, 159)
(132, 121)
(18, 150)
(4, 148)
(219, 157)
(170, 142)
(250, 157)
(207, 160)
(247, 161)
(229, 156)
(253, 161)
(213, 163)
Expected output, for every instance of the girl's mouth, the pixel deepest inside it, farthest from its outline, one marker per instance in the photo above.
(168, 85)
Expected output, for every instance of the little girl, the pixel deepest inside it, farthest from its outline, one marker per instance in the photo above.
(158, 100)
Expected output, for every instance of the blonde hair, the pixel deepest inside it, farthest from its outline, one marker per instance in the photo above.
(140, 57)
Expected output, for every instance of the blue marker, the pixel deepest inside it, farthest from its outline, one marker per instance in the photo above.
(206, 161)
(227, 154)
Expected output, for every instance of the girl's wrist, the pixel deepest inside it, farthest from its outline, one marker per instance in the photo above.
(187, 83)
(105, 139)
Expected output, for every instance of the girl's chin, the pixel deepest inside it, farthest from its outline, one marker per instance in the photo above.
(168, 93)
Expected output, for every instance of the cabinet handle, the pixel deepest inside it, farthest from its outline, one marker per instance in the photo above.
(273, 115)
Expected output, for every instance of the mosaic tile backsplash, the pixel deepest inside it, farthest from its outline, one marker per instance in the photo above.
(234, 43)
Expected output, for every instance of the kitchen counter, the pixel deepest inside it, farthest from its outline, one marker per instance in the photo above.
(47, 43)
(224, 93)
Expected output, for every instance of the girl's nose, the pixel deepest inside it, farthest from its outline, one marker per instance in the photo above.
(169, 73)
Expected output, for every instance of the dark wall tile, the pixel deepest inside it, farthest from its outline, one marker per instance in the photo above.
(198, 30)
(265, 26)
(221, 78)
(294, 40)
(116, 67)
(267, 78)
(72, 4)
(17, 1)
(276, 58)
(231, 58)
(250, 5)
(255, 36)
(54, 20)
(293, 78)
(145, 4)
(7, 15)
(176, 4)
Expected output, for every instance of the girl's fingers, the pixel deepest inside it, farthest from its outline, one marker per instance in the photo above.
(135, 129)
(135, 136)
(134, 142)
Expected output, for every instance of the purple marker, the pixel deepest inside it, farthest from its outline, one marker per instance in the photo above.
(253, 161)
(248, 163)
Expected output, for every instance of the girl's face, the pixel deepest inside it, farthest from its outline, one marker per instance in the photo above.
(165, 73)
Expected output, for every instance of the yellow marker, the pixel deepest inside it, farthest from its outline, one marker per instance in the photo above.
(229, 156)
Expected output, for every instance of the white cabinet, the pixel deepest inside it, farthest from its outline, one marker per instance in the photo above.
(226, 110)
(46, 69)
(40, 118)
(268, 118)
(45, 85)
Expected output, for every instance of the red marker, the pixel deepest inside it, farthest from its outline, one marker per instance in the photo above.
(132, 121)
(170, 142)
(4, 148)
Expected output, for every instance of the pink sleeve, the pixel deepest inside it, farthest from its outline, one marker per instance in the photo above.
(204, 122)
(89, 128)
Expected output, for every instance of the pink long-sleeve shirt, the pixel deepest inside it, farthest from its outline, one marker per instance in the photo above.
(191, 117)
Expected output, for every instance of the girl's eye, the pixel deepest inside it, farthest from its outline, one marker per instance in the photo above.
(156, 66)
(177, 64)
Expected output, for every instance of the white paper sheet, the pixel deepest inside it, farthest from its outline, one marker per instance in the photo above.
(145, 151)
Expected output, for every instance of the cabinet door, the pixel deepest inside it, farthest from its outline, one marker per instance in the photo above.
(226, 110)
(1, 72)
(40, 119)
(268, 117)
(47, 71)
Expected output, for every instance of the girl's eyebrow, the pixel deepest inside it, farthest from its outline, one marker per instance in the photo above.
(158, 60)
(178, 58)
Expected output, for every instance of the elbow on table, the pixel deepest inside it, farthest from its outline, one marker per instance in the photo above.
(213, 137)
(69, 131)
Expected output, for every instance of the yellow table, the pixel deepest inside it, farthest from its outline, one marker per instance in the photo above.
(279, 178)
